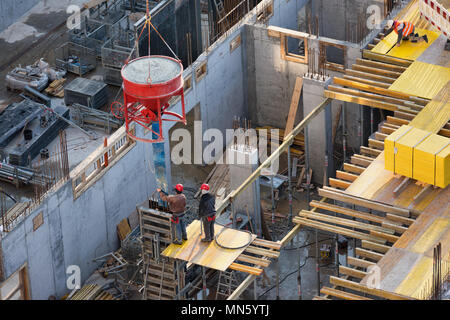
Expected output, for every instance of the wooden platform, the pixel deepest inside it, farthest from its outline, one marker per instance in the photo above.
(209, 255)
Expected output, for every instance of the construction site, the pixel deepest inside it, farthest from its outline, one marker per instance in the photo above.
(225, 150)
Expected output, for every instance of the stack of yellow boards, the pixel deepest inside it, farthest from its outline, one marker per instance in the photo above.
(418, 154)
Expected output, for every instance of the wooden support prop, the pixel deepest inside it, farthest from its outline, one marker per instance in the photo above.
(241, 288)
(368, 254)
(294, 106)
(362, 288)
(346, 176)
(359, 262)
(375, 246)
(341, 294)
(332, 194)
(352, 272)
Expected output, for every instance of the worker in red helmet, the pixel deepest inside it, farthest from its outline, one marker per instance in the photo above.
(207, 212)
(177, 206)
(405, 30)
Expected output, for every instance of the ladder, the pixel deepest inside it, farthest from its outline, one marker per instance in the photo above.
(227, 284)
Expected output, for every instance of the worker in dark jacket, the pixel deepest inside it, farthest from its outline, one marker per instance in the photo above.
(405, 30)
(207, 212)
(177, 206)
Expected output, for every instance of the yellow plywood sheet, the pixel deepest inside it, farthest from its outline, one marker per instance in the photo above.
(431, 235)
(407, 49)
(424, 166)
(386, 44)
(410, 50)
(422, 79)
(404, 151)
(209, 255)
(389, 146)
(417, 279)
(443, 168)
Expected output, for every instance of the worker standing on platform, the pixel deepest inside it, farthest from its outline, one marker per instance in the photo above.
(405, 30)
(207, 212)
(177, 206)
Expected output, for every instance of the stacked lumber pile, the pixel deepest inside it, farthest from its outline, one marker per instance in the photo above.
(91, 292)
(298, 146)
(56, 88)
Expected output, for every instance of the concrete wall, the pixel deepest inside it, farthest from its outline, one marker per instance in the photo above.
(286, 13)
(11, 10)
(75, 232)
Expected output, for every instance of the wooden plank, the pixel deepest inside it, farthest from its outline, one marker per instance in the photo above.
(375, 246)
(353, 168)
(401, 219)
(380, 65)
(343, 222)
(257, 261)
(369, 76)
(341, 294)
(347, 211)
(346, 176)
(337, 183)
(368, 254)
(333, 229)
(361, 162)
(267, 244)
(393, 226)
(243, 268)
(360, 100)
(362, 288)
(376, 144)
(377, 71)
(376, 84)
(326, 192)
(320, 298)
(370, 151)
(352, 272)
(294, 105)
(389, 237)
(359, 262)
(262, 252)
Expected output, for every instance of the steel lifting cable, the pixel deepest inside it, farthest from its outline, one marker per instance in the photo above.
(232, 248)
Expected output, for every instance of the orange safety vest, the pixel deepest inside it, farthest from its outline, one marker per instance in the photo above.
(407, 29)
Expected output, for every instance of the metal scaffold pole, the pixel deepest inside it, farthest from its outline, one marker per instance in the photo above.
(290, 185)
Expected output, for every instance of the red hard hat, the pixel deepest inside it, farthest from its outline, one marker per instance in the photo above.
(204, 187)
(179, 187)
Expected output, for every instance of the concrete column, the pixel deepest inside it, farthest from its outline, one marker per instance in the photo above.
(319, 129)
(242, 161)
